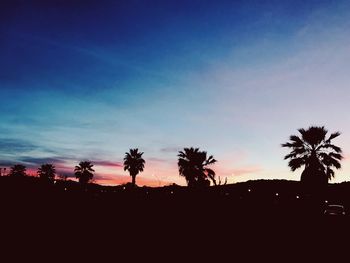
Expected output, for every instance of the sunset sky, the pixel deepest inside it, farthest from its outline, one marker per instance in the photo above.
(87, 80)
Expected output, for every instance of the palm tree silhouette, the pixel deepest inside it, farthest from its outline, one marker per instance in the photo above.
(47, 171)
(18, 170)
(134, 163)
(316, 153)
(84, 172)
(192, 165)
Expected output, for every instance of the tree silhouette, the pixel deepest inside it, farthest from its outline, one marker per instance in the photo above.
(134, 163)
(47, 171)
(18, 170)
(84, 172)
(193, 166)
(316, 153)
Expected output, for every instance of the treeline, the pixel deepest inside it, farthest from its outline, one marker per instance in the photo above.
(312, 150)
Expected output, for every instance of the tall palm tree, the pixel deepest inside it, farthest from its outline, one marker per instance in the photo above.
(84, 172)
(47, 171)
(316, 153)
(18, 170)
(134, 163)
(193, 166)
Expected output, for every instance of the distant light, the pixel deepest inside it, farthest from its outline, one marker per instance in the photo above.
(249, 190)
(65, 189)
(123, 187)
(277, 194)
(297, 196)
(171, 192)
(146, 192)
(326, 201)
(227, 194)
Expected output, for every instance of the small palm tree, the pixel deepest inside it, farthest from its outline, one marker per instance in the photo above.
(47, 171)
(134, 163)
(84, 172)
(316, 153)
(18, 170)
(193, 166)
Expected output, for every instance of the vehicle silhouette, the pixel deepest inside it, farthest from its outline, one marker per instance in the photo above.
(334, 210)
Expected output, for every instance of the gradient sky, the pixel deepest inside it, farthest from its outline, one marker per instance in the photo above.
(87, 80)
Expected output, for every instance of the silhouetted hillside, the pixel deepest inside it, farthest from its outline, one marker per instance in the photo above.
(252, 214)
(251, 196)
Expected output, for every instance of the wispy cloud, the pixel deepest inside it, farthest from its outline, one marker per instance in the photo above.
(107, 164)
(170, 149)
(111, 58)
(39, 161)
(10, 146)
(6, 163)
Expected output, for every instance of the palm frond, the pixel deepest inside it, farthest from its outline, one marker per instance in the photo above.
(336, 156)
(328, 160)
(330, 146)
(296, 163)
(332, 136)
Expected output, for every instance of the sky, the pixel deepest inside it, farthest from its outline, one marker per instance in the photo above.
(88, 80)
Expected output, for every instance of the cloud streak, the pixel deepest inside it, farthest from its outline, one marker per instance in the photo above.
(170, 149)
(107, 164)
(39, 161)
(13, 146)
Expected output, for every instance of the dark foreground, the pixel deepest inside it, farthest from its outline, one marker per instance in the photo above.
(254, 215)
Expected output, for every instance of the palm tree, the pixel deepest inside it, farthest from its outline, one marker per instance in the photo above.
(193, 166)
(134, 163)
(18, 170)
(84, 172)
(316, 153)
(47, 171)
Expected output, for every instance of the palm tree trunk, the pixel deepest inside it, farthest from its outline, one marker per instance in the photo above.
(133, 182)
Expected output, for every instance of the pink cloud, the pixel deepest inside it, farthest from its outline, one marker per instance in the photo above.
(107, 164)
(31, 172)
(346, 156)
(235, 164)
(246, 170)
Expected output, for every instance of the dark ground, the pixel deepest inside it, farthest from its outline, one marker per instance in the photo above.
(263, 216)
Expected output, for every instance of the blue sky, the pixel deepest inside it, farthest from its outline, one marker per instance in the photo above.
(91, 79)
